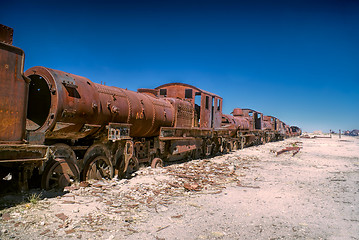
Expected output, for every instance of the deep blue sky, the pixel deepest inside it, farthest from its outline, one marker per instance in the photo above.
(297, 60)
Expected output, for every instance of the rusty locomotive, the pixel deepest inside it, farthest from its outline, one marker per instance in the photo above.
(57, 127)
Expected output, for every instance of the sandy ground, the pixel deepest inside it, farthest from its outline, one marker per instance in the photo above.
(247, 194)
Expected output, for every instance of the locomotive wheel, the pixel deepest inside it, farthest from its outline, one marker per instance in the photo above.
(97, 164)
(98, 168)
(59, 173)
(132, 167)
(61, 150)
(157, 163)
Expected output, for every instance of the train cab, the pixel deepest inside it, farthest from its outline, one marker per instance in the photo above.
(207, 106)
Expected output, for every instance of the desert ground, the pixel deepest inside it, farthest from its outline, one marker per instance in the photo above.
(247, 194)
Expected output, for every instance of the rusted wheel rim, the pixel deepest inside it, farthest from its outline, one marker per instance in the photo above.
(59, 173)
(157, 163)
(133, 165)
(98, 168)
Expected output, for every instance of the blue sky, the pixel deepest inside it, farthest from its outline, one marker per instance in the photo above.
(297, 60)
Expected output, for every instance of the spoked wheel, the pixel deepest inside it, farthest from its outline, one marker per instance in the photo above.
(97, 164)
(59, 173)
(98, 168)
(157, 163)
(132, 167)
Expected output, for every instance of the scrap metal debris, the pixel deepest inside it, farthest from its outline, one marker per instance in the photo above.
(316, 136)
(62, 216)
(288, 149)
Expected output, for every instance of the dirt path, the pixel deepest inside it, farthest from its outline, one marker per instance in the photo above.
(247, 194)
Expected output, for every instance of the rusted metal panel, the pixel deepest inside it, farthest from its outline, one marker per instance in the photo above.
(171, 133)
(267, 123)
(184, 112)
(6, 34)
(24, 152)
(13, 94)
(217, 112)
(235, 122)
(152, 92)
(205, 116)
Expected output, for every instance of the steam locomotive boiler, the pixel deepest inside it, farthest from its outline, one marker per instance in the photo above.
(65, 106)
